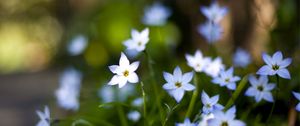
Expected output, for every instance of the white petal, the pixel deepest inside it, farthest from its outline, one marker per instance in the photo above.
(177, 73)
(251, 91)
(269, 87)
(178, 94)
(129, 44)
(187, 77)
(168, 77)
(263, 79)
(124, 62)
(284, 73)
(40, 114)
(252, 79)
(231, 86)
(268, 97)
(169, 86)
(214, 99)
(188, 87)
(135, 34)
(133, 66)
(114, 80)
(145, 33)
(122, 81)
(133, 78)
(47, 112)
(113, 68)
(229, 72)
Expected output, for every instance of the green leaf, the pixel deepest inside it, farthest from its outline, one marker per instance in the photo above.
(237, 92)
(81, 121)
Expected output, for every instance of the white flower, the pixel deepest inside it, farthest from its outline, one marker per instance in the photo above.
(297, 95)
(156, 15)
(241, 58)
(225, 118)
(212, 32)
(134, 116)
(214, 12)
(275, 65)
(109, 94)
(210, 104)
(124, 73)
(77, 45)
(214, 67)
(186, 122)
(177, 83)
(68, 93)
(205, 118)
(44, 117)
(260, 89)
(227, 79)
(138, 41)
(197, 62)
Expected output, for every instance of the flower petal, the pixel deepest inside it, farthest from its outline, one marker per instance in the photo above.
(214, 99)
(277, 57)
(187, 77)
(133, 66)
(178, 94)
(267, 59)
(188, 87)
(269, 87)
(298, 107)
(258, 97)
(268, 96)
(177, 73)
(264, 70)
(205, 98)
(296, 94)
(284, 73)
(114, 80)
(133, 78)
(251, 91)
(237, 123)
(168, 77)
(169, 86)
(123, 60)
(122, 81)
(114, 68)
(286, 62)
(252, 79)
(231, 86)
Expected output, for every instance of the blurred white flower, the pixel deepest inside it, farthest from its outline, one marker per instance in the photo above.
(214, 12)
(197, 62)
(225, 118)
(107, 93)
(226, 78)
(138, 40)
(205, 118)
(178, 83)
(68, 93)
(241, 58)
(134, 116)
(44, 117)
(156, 15)
(212, 32)
(111, 94)
(77, 45)
(210, 104)
(124, 72)
(214, 67)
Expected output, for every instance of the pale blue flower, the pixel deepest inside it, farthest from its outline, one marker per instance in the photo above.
(138, 102)
(225, 118)
(214, 12)
(44, 117)
(67, 94)
(212, 32)
(138, 40)
(227, 79)
(214, 67)
(111, 94)
(134, 116)
(178, 83)
(197, 62)
(260, 88)
(297, 95)
(210, 104)
(124, 72)
(241, 58)
(275, 65)
(77, 45)
(186, 122)
(205, 118)
(156, 15)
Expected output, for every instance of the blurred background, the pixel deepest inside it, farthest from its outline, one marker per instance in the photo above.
(35, 37)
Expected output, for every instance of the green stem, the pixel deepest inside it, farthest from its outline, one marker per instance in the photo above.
(144, 100)
(155, 88)
(276, 95)
(194, 98)
(122, 115)
(237, 92)
(169, 114)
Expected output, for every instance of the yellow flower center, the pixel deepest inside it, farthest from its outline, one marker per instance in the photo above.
(139, 43)
(178, 84)
(275, 67)
(224, 124)
(126, 73)
(227, 80)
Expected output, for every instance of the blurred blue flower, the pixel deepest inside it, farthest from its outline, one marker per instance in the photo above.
(214, 12)
(77, 45)
(212, 32)
(68, 93)
(156, 15)
(297, 95)
(214, 67)
(44, 117)
(197, 62)
(138, 40)
(227, 79)
(260, 88)
(205, 118)
(111, 94)
(186, 122)
(134, 116)
(124, 72)
(138, 102)
(275, 65)
(225, 118)
(177, 83)
(241, 58)
(210, 104)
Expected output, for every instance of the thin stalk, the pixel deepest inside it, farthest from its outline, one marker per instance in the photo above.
(144, 100)
(155, 88)
(194, 98)
(276, 95)
(169, 113)
(122, 116)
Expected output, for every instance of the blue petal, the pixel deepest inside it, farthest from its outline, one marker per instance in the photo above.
(285, 62)
(253, 81)
(177, 73)
(251, 91)
(284, 73)
(187, 77)
(267, 59)
(296, 94)
(277, 57)
(168, 77)
(264, 70)
(298, 107)
(268, 97)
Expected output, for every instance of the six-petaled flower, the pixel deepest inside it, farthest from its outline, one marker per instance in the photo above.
(227, 79)
(260, 89)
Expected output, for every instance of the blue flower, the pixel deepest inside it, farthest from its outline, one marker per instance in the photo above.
(210, 104)
(297, 95)
(227, 79)
(212, 32)
(197, 62)
(44, 117)
(177, 83)
(77, 45)
(214, 67)
(156, 15)
(186, 122)
(214, 12)
(260, 89)
(275, 65)
(134, 116)
(241, 58)
(225, 118)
